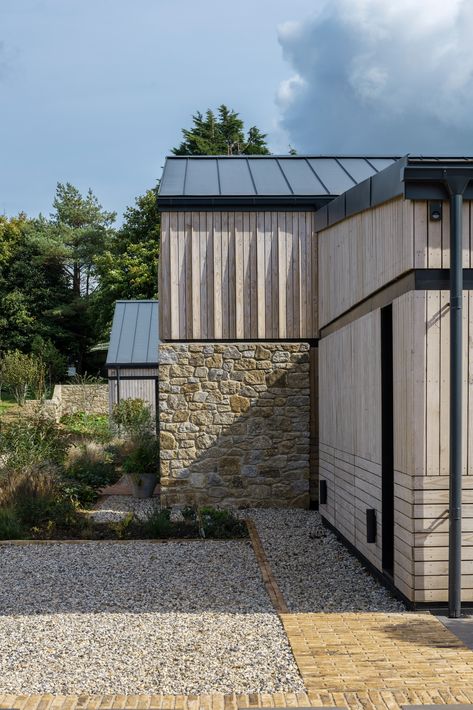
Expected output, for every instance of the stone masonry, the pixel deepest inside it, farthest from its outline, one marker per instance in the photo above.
(234, 424)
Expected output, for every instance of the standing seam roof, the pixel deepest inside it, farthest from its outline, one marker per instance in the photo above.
(134, 338)
(266, 176)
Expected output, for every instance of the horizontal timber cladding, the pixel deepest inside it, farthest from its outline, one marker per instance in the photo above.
(233, 275)
(350, 430)
(363, 253)
(421, 342)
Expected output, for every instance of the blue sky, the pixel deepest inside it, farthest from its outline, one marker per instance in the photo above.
(95, 92)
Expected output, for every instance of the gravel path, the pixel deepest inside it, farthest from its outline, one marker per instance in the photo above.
(115, 508)
(314, 571)
(139, 618)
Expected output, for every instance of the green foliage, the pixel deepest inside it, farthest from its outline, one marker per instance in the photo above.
(143, 458)
(124, 528)
(37, 498)
(55, 364)
(221, 134)
(221, 524)
(29, 441)
(82, 229)
(128, 268)
(133, 418)
(89, 468)
(20, 373)
(10, 526)
(159, 526)
(87, 426)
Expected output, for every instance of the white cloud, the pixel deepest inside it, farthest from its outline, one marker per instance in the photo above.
(380, 76)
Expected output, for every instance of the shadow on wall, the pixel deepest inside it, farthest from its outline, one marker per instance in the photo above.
(235, 424)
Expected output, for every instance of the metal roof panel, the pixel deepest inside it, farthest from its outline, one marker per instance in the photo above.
(235, 177)
(134, 337)
(202, 178)
(332, 175)
(359, 168)
(301, 178)
(268, 177)
(172, 182)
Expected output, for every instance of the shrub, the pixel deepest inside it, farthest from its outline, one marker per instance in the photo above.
(36, 496)
(89, 468)
(159, 525)
(88, 426)
(10, 526)
(143, 457)
(32, 440)
(20, 372)
(221, 524)
(133, 418)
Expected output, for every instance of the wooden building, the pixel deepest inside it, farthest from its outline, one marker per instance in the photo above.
(132, 358)
(352, 256)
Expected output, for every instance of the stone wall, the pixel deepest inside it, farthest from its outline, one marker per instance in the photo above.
(92, 398)
(68, 399)
(234, 424)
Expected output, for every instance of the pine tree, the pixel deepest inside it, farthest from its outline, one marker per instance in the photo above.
(221, 134)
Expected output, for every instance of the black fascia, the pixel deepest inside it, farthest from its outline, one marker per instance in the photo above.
(431, 182)
(242, 201)
(131, 365)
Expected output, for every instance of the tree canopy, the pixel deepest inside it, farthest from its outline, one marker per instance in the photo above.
(60, 276)
(222, 133)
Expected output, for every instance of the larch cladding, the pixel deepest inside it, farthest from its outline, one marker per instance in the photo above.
(234, 424)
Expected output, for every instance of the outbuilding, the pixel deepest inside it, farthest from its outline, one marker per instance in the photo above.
(133, 353)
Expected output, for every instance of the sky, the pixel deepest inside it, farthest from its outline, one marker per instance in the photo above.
(95, 92)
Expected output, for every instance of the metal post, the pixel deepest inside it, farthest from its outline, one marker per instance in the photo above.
(456, 353)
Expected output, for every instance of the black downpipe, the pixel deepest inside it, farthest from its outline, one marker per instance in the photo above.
(456, 298)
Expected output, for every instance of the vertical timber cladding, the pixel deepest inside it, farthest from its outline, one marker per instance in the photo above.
(232, 275)
(350, 430)
(421, 349)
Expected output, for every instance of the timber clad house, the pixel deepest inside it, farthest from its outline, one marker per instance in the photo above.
(305, 348)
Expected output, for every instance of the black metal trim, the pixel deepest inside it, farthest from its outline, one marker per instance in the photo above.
(131, 366)
(133, 377)
(414, 280)
(242, 203)
(439, 279)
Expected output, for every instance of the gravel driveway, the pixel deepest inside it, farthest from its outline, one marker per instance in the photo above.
(314, 571)
(139, 618)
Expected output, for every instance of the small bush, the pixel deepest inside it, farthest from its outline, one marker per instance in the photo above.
(159, 525)
(143, 457)
(30, 441)
(89, 468)
(21, 373)
(221, 524)
(133, 418)
(10, 526)
(88, 426)
(36, 496)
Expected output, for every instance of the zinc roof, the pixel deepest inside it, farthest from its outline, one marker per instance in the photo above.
(240, 179)
(134, 337)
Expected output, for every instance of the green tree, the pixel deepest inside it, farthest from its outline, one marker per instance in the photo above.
(82, 233)
(221, 134)
(20, 372)
(128, 268)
